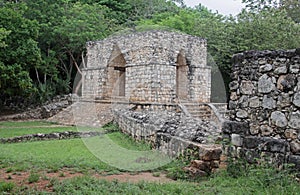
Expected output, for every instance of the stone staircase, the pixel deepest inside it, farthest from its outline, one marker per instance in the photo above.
(197, 110)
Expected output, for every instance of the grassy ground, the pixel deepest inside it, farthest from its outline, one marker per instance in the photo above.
(74, 154)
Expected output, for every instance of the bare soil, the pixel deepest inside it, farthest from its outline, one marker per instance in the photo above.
(45, 180)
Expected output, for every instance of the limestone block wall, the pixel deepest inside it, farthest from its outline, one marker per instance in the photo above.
(151, 83)
(265, 106)
(155, 66)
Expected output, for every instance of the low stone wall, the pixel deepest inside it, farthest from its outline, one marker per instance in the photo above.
(174, 134)
(264, 106)
(51, 136)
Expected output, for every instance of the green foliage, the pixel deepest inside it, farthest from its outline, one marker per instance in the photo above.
(6, 187)
(33, 178)
(42, 42)
(89, 185)
(20, 53)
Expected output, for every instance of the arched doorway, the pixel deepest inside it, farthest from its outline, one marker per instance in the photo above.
(116, 73)
(182, 90)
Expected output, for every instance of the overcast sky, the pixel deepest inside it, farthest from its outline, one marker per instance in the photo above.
(224, 7)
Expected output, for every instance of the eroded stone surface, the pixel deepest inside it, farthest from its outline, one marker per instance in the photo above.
(246, 87)
(294, 121)
(279, 119)
(265, 84)
(296, 99)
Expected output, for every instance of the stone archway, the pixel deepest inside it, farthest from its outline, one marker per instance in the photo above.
(116, 74)
(182, 90)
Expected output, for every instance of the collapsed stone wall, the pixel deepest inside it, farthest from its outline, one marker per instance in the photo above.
(264, 106)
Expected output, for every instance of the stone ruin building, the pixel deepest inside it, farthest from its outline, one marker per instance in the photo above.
(151, 67)
(160, 85)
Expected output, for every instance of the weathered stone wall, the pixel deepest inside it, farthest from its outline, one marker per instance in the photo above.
(152, 66)
(174, 133)
(265, 96)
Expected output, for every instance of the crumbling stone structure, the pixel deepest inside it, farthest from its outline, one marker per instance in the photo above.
(265, 106)
(152, 66)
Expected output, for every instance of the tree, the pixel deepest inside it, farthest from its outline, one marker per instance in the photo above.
(20, 54)
(292, 7)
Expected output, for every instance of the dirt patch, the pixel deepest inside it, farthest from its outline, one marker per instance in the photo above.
(45, 181)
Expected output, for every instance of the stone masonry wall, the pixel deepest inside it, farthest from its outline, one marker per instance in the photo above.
(265, 106)
(150, 62)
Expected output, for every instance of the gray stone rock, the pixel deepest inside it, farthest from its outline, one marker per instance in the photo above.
(232, 105)
(296, 99)
(295, 68)
(291, 134)
(281, 70)
(283, 100)
(266, 130)
(265, 84)
(265, 68)
(295, 159)
(286, 82)
(246, 87)
(242, 114)
(295, 146)
(254, 129)
(294, 121)
(278, 118)
(268, 102)
(274, 145)
(244, 101)
(236, 140)
(254, 102)
(233, 96)
(233, 85)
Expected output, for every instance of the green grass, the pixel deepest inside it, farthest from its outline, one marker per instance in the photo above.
(77, 154)
(127, 142)
(52, 155)
(24, 123)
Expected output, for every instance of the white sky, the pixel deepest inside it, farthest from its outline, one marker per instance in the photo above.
(224, 7)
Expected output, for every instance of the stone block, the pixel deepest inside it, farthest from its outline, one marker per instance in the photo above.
(265, 68)
(281, 70)
(294, 121)
(246, 87)
(278, 118)
(201, 165)
(236, 140)
(265, 84)
(296, 99)
(210, 153)
(254, 102)
(266, 130)
(274, 145)
(268, 102)
(295, 147)
(294, 159)
(242, 114)
(251, 142)
(230, 127)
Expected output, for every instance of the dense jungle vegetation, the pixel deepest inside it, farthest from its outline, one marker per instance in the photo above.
(42, 42)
